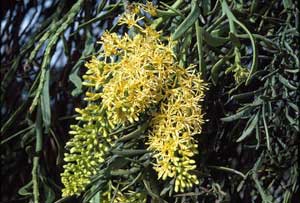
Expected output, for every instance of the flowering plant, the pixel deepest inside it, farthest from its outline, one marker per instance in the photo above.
(137, 80)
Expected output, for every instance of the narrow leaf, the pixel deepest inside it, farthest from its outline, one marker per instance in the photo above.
(45, 102)
(250, 127)
(188, 22)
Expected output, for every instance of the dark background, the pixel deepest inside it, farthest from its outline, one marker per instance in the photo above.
(272, 95)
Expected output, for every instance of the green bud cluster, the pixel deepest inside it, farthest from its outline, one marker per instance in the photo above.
(240, 74)
(86, 149)
(85, 152)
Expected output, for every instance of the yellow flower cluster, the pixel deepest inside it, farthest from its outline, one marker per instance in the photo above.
(172, 129)
(135, 76)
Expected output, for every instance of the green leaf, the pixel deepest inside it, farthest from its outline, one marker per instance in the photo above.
(96, 198)
(150, 191)
(266, 127)
(117, 162)
(214, 41)
(139, 131)
(66, 48)
(94, 190)
(76, 80)
(45, 102)
(17, 134)
(170, 12)
(286, 83)
(124, 172)
(199, 36)
(73, 77)
(234, 117)
(250, 127)
(24, 191)
(27, 137)
(130, 152)
(101, 6)
(13, 117)
(246, 95)
(216, 68)
(188, 21)
(265, 197)
(49, 194)
(287, 4)
(206, 5)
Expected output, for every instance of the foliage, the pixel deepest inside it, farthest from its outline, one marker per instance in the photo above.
(248, 53)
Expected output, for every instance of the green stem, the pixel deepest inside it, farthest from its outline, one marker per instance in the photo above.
(34, 172)
(199, 36)
(98, 18)
(38, 149)
(46, 60)
(160, 20)
(266, 127)
(223, 168)
(232, 19)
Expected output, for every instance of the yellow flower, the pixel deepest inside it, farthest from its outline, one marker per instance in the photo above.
(130, 19)
(110, 42)
(134, 8)
(135, 82)
(150, 32)
(172, 129)
(150, 8)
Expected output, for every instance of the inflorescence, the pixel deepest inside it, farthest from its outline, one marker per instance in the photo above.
(137, 75)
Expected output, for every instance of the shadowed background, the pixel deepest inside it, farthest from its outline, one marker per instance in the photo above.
(45, 43)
